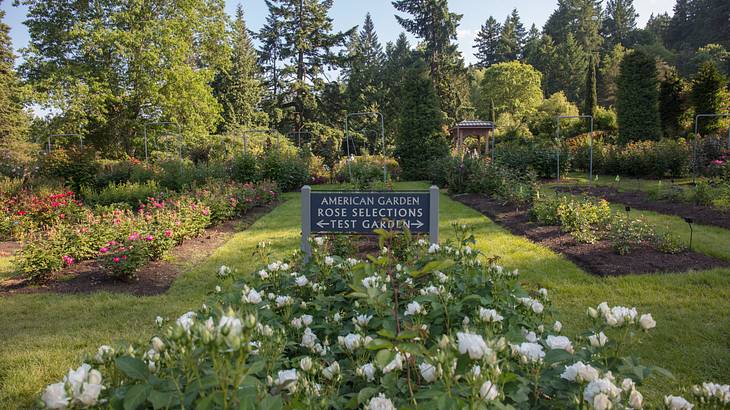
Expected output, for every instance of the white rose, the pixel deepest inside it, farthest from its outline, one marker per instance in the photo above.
(647, 322)
(90, 394)
(677, 403)
(368, 371)
(557, 327)
(414, 308)
(473, 344)
(537, 307)
(530, 352)
(543, 292)
(329, 261)
(186, 320)
(94, 377)
(331, 371)
(598, 340)
(287, 379)
(601, 402)
(380, 402)
(488, 391)
(489, 315)
(307, 319)
(559, 342)
(55, 397)
(305, 363)
(627, 385)
(579, 372)
(252, 297)
(428, 372)
(592, 313)
(158, 344)
(395, 364)
(263, 274)
(301, 281)
(636, 400)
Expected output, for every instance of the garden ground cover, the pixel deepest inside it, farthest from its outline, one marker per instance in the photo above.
(46, 334)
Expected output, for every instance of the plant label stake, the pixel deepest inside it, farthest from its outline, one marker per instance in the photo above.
(689, 222)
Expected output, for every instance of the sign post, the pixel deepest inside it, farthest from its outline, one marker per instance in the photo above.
(343, 212)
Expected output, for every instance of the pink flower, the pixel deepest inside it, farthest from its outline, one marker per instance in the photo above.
(116, 259)
(168, 233)
(104, 250)
(148, 238)
(133, 237)
(68, 260)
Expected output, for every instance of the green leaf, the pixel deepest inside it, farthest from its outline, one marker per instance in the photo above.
(271, 403)
(556, 356)
(383, 357)
(163, 400)
(407, 334)
(386, 333)
(136, 396)
(256, 367)
(365, 394)
(377, 344)
(132, 367)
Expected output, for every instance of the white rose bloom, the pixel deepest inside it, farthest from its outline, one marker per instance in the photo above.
(627, 385)
(543, 292)
(367, 371)
(309, 339)
(429, 290)
(603, 308)
(557, 327)
(489, 315)
(283, 301)
(380, 402)
(263, 274)
(579, 372)
(351, 342)
(601, 402)
(428, 372)
(636, 400)
(296, 323)
(224, 271)
(94, 377)
(352, 261)
(488, 391)
(186, 320)
(476, 370)
(362, 320)
(307, 319)
(287, 379)
(329, 261)
(158, 344)
(331, 371)
(537, 307)
(301, 281)
(371, 282)
(252, 297)
(90, 394)
(76, 378)
(601, 386)
(337, 317)
(530, 336)
(434, 248)
(530, 352)
(677, 403)
(442, 277)
(473, 344)
(319, 240)
(414, 308)
(159, 321)
(559, 342)
(55, 397)
(102, 353)
(647, 322)
(395, 364)
(592, 313)
(598, 340)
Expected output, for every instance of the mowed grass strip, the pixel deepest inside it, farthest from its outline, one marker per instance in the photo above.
(44, 335)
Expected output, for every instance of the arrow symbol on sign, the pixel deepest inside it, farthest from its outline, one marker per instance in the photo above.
(322, 224)
(418, 224)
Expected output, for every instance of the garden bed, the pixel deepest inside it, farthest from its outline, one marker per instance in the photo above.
(153, 278)
(598, 258)
(702, 214)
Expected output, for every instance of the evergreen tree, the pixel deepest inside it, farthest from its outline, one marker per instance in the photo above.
(435, 25)
(270, 37)
(545, 60)
(487, 42)
(620, 21)
(532, 43)
(657, 25)
(709, 96)
(591, 98)
(608, 72)
(572, 64)
(638, 98)
(13, 120)
(671, 102)
(581, 18)
(306, 50)
(421, 139)
(239, 87)
(511, 38)
(399, 57)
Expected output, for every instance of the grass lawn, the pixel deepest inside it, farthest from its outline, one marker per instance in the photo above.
(6, 267)
(44, 335)
(624, 183)
(710, 240)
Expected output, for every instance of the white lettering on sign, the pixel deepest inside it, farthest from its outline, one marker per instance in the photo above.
(364, 212)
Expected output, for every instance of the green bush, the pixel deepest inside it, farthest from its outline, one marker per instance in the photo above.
(129, 193)
(75, 166)
(539, 157)
(364, 170)
(286, 168)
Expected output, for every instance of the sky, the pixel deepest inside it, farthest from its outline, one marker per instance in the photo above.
(349, 13)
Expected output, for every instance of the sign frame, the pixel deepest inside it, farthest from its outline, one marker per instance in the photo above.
(306, 213)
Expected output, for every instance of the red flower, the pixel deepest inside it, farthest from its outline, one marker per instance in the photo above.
(116, 259)
(68, 260)
(168, 233)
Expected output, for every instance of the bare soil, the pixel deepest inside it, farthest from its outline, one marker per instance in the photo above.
(8, 248)
(598, 258)
(152, 279)
(702, 214)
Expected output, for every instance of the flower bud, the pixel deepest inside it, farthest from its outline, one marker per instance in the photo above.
(592, 312)
(157, 344)
(250, 321)
(444, 342)
(306, 363)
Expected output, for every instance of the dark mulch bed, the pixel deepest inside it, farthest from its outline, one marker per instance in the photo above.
(701, 214)
(8, 248)
(597, 258)
(152, 279)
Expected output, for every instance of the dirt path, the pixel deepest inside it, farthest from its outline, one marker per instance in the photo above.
(705, 215)
(598, 258)
(152, 279)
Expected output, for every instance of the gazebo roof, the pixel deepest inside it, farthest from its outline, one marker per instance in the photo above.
(475, 124)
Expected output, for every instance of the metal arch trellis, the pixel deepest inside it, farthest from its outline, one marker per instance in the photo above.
(269, 131)
(382, 134)
(179, 137)
(557, 139)
(299, 136)
(51, 136)
(694, 144)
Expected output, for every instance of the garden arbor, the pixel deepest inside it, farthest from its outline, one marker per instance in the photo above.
(476, 128)
(269, 131)
(377, 114)
(590, 134)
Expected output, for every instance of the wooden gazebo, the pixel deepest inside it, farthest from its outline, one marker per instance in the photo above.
(475, 128)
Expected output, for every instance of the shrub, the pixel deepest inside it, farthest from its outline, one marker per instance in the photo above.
(585, 219)
(286, 168)
(122, 260)
(243, 168)
(75, 166)
(130, 194)
(473, 174)
(342, 333)
(366, 170)
(626, 233)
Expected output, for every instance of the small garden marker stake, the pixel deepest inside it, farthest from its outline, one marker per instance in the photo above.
(689, 222)
(627, 209)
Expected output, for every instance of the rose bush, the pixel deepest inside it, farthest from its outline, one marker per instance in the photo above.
(415, 326)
